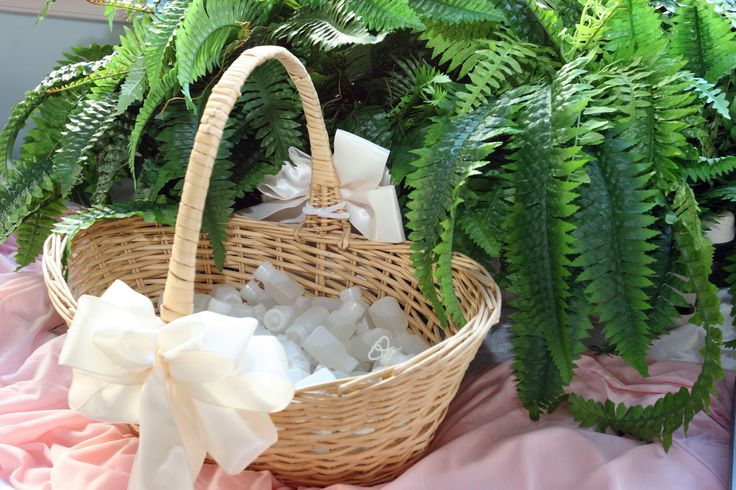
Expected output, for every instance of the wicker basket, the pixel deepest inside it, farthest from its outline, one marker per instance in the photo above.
(361, 430)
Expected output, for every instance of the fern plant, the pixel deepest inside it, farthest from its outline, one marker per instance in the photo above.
(572, 145)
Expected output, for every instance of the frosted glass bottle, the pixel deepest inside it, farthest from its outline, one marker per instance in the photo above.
(411, 344)
(331, 304)
(328, 350)
(352, 295)
(294, 354)
(321, 376)
(253, 293)
(305, 323)
(362, 326)
(278, 284)
(217, 306)
(386, 313)
(360, 345)
(241, 310)
(343, 321)
(278, 318)
(226, 293)
(391, 357)
(201, 302)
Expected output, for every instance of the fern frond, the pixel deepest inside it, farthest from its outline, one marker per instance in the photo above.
(500, 61)
(614, 226)
(483, 223)
(704, 39)
(31, 234)
(386, 14)
(635, 30)
(21, 193)
(710, 169)
(409, 84)
(43, 138)
(111, 158)
(326, 26)
(160, 37)
(137, 6)
(545, 173)
(82, 130)
(150, 211)
(156, 96)
(458, 47)
(32, 99)
(665, 294)
(271, 108)
(673, 410)
(456, 11)
(206, 29)
(134, 87)
(217, 209)
(712, 95)
(454, 149)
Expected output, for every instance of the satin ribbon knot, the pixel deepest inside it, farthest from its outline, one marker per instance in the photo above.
(200, 384)
(365, 186)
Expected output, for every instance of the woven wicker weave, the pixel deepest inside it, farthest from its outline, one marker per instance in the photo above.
(362, 430)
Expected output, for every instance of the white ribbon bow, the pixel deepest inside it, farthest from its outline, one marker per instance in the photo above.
(200, 384)
(370, 200)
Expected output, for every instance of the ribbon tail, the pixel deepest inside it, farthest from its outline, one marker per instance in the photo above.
(376, 214)
(161, 455)
(286, 211)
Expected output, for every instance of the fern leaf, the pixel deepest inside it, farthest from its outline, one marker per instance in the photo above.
(502, 60)
(206, 28)
(710, 169)
(674, 410)
(483, 223)
(43, 138)
(156, 96)
(134, 87)
(456, 11)
(386, 14)
(457, 47)
(270, 105)
(704, 39)
(326, 26)
(665, 294)
(150, 211)
(614, 225)
(21, 193)
(82, 131)
(712, 95)
(160, 36)
(453, 151)
(543, 172)
(32, 99)
(32, 233)
(111, 158)
(635, 30)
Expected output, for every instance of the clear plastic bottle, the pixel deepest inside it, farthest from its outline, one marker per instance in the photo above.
(328, 350)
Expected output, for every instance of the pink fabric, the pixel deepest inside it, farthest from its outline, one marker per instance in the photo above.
(486, 442)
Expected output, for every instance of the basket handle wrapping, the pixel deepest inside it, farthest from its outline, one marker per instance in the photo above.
(324, 190)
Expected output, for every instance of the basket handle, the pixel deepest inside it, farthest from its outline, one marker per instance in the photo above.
(324, 190)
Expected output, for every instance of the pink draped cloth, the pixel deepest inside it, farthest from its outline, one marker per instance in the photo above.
(486, 442)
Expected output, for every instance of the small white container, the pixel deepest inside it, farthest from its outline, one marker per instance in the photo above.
(360, 345)
(217, 306)
(278, 318)
(391, 357)
(320, 376)
(226, 293)
(201, 302)
(331, 304)
(386, 313)
(328, 350)
(242, 311)
(278, 284)
(352, 295)
(343, 321)
(411, 344)
(253, 293)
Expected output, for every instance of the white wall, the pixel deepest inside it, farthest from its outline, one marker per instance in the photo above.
(28, 51)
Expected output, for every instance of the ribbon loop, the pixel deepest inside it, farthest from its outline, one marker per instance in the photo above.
(370, 201)
(200, 384)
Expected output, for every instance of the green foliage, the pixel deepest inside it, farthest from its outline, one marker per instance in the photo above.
(704, 39)
(32, 233)
(665, 293)
(456, 11)
(386, 14)
(134, 86)
(160, 37)
(710, 169)
(613, 229)
(84, 128)
(327, 26)
(455, 47)
(712, 95)
(150, 211)
(21, 193)
(635, 30)
(206, 29)
(454, 150)
(270, 107)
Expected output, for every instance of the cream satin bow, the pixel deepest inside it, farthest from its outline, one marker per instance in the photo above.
(370, 200)
(200, 384)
